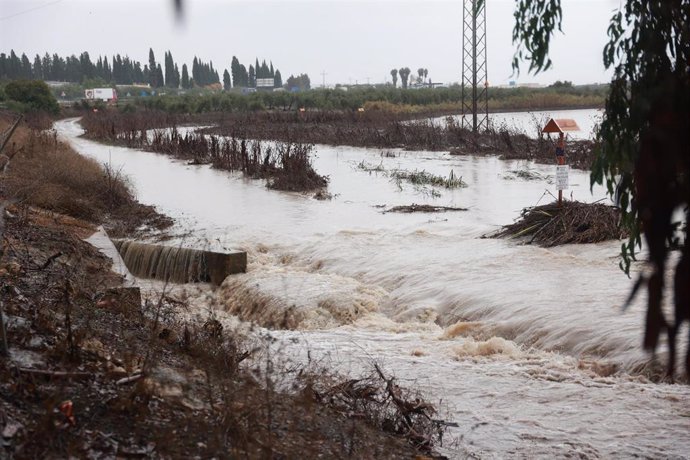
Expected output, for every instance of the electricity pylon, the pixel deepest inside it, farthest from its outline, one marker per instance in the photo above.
(475, 98)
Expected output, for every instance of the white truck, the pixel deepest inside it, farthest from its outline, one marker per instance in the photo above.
(100, 94)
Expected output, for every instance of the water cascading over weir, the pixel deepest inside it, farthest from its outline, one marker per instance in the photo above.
(179, 265)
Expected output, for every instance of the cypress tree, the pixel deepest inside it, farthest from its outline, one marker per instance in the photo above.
(235, 71)
(26, 67)
(252, 77)
(38, 68)
(152, 69)
(226, 80)
(195, 71)
(159, 75)
(185, 77)
(244, 75)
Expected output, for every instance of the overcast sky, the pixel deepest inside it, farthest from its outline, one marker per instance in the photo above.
(352, 41)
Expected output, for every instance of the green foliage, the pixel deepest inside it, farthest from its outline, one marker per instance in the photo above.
(561, 84)
(300, 82)
(647, 62)
(32, 95)
(404, 75)
(535, 23)
(227, 84)
(384, 98)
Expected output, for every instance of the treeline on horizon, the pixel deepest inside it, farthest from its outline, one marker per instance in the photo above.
(121, 70)
(384, 98)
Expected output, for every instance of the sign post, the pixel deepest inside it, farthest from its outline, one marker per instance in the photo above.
(560, 126)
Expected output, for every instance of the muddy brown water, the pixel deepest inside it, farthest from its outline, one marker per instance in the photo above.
(526, 348)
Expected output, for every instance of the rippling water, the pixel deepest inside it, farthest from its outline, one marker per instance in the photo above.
(527, 347)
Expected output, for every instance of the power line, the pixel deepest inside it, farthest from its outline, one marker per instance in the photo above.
(29, 10)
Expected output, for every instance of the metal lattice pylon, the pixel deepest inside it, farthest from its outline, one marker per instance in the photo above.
(475, 98)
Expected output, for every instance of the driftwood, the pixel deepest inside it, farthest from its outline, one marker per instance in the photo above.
(381, 402)
(130, 379)
(422, 208)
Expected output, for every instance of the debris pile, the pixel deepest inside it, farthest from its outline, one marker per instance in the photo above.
(573, 222)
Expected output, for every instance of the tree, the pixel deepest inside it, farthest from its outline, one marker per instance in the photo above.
(26, 67)
(278, 80)
(244, 76)
(195, 70)
(170, 71)
(394, 75)
(404, 74)
(236, 71)
(185, 77)
(301, 82)
(38, 68)
(252, 77)
(420, 75)
(642, 152)
(153, 77)
(32, 95)
(226, 80)
(159, 75)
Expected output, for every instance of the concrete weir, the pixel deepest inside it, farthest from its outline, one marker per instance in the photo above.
(179, 265)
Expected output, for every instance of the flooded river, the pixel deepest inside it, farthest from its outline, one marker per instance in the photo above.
(527, 348)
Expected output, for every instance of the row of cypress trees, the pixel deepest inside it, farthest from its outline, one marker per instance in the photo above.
(122, 70)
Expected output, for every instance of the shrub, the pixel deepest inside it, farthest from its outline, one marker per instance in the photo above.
(32, 95)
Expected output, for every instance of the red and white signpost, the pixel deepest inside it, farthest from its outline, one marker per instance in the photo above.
(560, 126)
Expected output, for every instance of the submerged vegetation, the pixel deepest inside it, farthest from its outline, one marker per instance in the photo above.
(418, 179)
(284, 165)
(421, 178)
(375, 128)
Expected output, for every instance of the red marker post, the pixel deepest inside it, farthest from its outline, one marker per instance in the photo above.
(560, 126)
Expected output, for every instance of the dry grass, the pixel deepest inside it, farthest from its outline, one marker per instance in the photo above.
(47, 173)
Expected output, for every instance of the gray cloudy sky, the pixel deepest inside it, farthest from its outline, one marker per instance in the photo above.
(349, 40)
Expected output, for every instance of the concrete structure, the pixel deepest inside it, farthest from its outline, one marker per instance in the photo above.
(179, 265)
